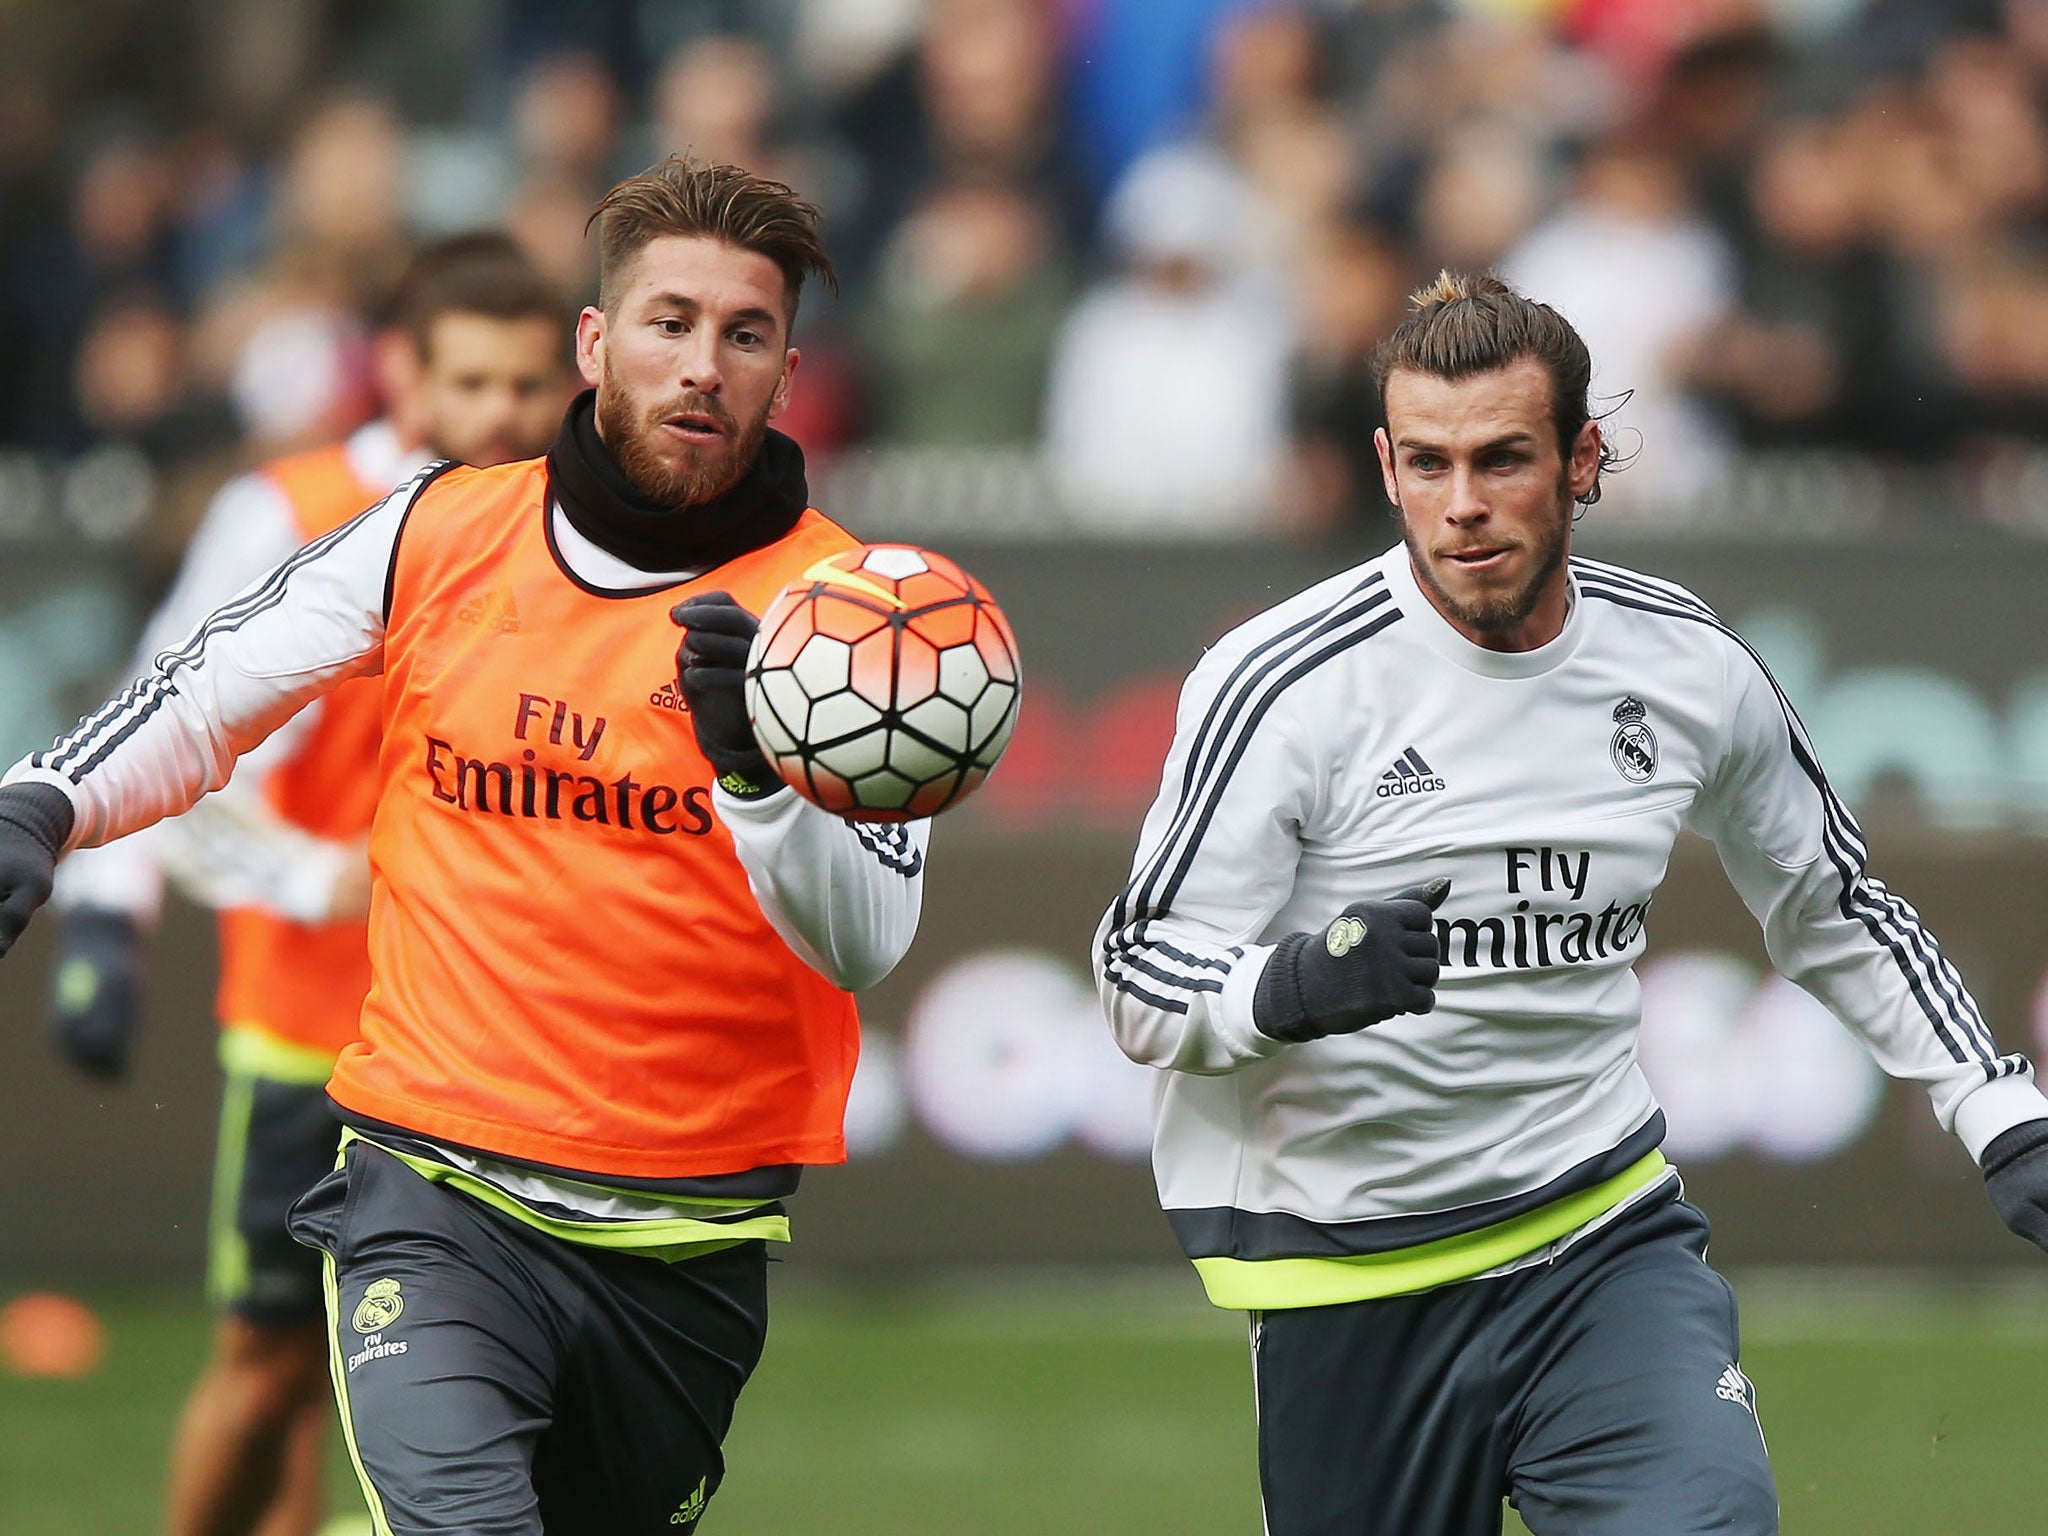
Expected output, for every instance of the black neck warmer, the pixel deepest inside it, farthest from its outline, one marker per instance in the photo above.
(606, 508)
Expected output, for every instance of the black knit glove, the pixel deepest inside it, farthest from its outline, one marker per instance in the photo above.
(1376, 960)
(34, 821)
(2016, 1176)
(711, 670)
(96, 991)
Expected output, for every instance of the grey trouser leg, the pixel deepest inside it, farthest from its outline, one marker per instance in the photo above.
(1631, 1415)
(1600, 1391)
(496, 1381)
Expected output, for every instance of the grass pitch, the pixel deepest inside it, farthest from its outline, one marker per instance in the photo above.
(1084, 1406)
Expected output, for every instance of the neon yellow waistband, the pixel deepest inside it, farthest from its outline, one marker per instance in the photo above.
(1272, 1285)
(249, 1050)
(667, 1238)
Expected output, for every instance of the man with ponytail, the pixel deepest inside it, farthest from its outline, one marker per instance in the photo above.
(1379, 937)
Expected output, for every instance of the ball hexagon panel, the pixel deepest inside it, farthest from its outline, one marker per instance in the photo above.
(935, 796)
(962, 675)
(951, 623)
(917, 668)
(986, 754)
(841, 715)
(874, 676)
(941, 720)
(828, 788)
(855, 756)
(783, 632)
(895, 561)
(970, 777)
(822, 666)
(952, 571)
(928, 590)
(919, 760)
(785, 698)
(998, 646)
(885, 790)
(776, 738)
(994, 711)
(846, 616)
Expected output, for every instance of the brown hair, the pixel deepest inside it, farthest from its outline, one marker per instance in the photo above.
(722, 202)
(1468, 323)
(483, 272)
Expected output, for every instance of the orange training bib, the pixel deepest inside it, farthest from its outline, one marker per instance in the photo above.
(570, 967)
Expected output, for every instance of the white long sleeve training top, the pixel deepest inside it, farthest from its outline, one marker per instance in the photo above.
(1349, 743)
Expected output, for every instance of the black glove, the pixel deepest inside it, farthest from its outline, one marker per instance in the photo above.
(711, 670)
(34, 821)
(2016, 1176)
(1377, 959)
(96, 991)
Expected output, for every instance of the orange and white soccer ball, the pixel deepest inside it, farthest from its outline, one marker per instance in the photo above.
(884, 683)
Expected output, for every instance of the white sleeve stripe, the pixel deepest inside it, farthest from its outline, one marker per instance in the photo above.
(146, 694)
(1200, 763)
(1864, 899)
(1232, 716)
(1886, 918)
(1953, 1017)
(143, 697)
(120, 701)
(157, 691)
(235, 614)
(1341, 634)
(1889, 921)
(1190, 825)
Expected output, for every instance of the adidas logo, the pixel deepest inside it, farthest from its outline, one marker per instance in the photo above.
(668, 696)
(1734, 1387)
(493, 610)
(1410, 775)
(693, 1506)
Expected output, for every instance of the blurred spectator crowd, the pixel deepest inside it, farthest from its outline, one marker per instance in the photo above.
(1142, 247)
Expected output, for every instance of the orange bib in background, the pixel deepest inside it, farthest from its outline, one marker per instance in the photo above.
(570, 967)
(304, 982)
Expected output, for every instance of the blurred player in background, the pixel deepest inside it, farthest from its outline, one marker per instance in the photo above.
(611, 952)
(1407, 1132)
(473, 367)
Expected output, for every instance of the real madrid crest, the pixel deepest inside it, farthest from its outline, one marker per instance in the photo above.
(1634, 748)
(380, 1307)
(1343, 936)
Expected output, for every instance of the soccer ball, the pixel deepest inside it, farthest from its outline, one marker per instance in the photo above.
(883, 684)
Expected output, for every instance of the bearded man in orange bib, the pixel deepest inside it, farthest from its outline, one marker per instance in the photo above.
(609, 1019)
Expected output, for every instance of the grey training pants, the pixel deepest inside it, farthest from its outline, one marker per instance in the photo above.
(496, 1381)
(1600, 1393)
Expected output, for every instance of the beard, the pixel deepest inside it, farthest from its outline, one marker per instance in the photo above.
(706, 472)
(1498, 612)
